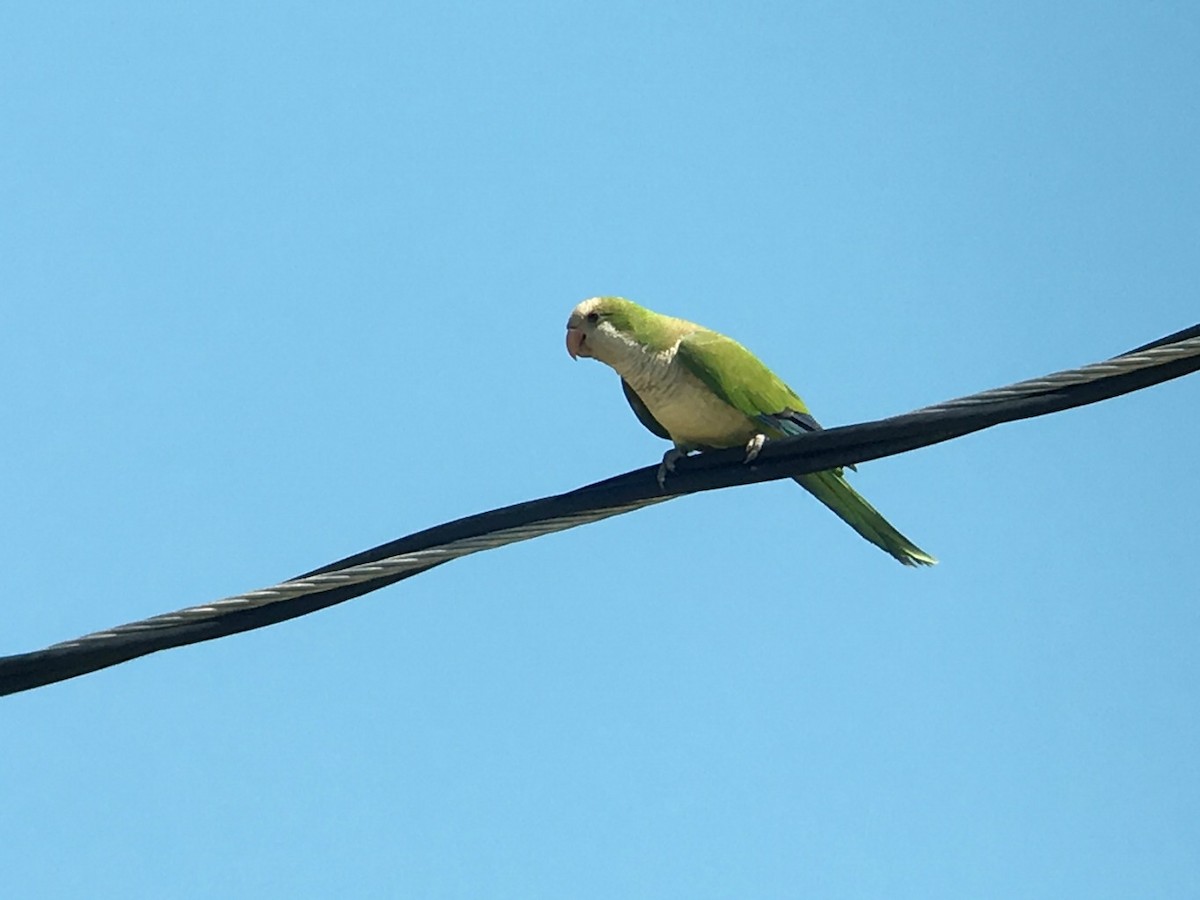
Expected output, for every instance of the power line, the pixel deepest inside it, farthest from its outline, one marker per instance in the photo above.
(1162, 360)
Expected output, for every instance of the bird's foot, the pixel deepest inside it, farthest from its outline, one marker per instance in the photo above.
(667, 465)
(754, 448)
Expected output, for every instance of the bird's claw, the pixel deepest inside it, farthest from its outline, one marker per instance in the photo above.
(754, 448)
(667, 465)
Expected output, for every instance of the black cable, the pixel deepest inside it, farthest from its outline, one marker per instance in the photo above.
(710, 471)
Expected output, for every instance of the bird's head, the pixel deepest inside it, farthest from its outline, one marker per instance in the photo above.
(602, 326)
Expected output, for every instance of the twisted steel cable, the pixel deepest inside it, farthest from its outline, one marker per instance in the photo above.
(1133, 361)
(390, 567)
(1167, 358)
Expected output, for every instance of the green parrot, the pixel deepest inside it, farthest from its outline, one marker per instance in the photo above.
(702, 391)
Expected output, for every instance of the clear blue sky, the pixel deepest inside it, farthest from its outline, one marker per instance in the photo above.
(279, 282)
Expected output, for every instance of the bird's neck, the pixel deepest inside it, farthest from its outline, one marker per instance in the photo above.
(641, 366)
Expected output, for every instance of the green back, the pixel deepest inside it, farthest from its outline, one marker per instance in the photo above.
(737, 376)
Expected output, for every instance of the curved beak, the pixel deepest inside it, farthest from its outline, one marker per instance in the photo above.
(574, 341)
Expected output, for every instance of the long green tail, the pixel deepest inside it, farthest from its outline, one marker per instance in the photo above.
(852, 508)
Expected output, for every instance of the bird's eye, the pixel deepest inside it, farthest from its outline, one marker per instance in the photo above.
(593, 317)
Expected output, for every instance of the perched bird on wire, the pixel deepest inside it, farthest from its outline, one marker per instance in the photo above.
(704, 391)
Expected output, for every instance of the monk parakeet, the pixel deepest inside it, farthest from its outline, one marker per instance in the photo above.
(701, 390)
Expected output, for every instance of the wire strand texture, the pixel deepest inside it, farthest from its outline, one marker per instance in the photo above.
(1167, 358)
(390, 567)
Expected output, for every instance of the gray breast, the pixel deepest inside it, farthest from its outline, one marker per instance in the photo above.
(690, 412)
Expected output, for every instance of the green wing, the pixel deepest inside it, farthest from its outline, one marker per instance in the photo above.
(642, 411)
(739, 378)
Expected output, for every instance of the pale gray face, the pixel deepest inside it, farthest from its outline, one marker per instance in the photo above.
(587, 330)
